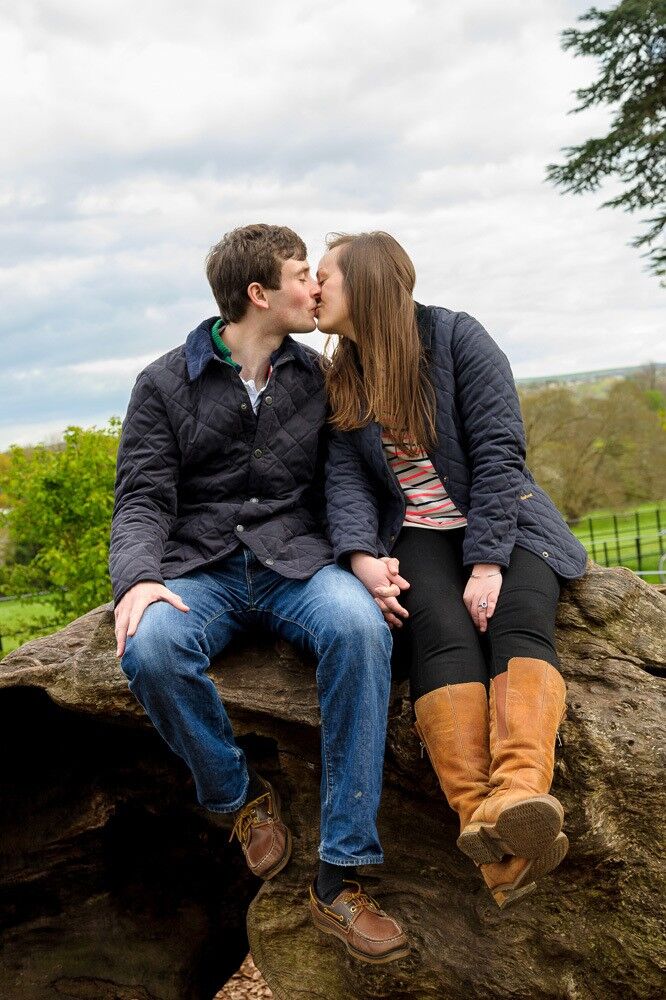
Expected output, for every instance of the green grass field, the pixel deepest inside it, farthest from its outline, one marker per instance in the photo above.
(612, 539)
(21, 620)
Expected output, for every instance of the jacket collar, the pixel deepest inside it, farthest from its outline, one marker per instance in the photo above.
(199, 350)
(424, 320)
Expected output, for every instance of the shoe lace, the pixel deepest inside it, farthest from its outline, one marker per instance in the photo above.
(247, 817)
(360, 898)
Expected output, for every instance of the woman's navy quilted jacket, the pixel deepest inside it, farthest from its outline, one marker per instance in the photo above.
(480, 458)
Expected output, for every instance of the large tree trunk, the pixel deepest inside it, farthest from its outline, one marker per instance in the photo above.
(114, 884)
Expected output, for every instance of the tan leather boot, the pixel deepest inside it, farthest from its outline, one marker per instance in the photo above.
(452, 724)
(514, 878)
(519, 816)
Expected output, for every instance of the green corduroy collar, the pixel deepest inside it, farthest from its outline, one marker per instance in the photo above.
(223, 350)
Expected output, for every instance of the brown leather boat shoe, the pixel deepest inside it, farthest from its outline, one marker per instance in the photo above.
(265, 840)
(355, 918)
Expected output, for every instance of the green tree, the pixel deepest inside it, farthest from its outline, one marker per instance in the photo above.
(590, 452)
(630, 42)
(60, 502)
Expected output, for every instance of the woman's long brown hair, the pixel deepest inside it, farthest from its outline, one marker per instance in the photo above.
(382, 376)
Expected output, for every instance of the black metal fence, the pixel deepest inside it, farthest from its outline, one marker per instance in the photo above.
(635, 539)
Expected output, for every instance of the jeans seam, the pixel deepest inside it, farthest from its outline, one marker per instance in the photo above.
(292, 621)
(234, 806)
(327, 800)
(224, 611)
(248, 578)
(365, 859)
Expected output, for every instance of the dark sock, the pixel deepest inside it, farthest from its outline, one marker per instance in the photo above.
(256, 786)
(330, 880)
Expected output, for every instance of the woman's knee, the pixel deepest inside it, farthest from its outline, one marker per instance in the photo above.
(523, 625)
(524, 607)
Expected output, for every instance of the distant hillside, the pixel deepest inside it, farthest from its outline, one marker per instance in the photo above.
(602, 375)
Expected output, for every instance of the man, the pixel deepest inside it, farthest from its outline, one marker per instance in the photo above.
(218, 527)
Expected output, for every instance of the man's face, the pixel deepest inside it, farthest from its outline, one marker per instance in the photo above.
(294, 303)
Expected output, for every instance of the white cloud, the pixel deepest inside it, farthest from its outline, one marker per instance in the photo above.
(141, 132)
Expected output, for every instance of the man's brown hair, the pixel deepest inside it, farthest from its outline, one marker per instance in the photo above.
(247, 254)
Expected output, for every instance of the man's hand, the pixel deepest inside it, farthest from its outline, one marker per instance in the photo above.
(483, 587)
(133, 604)
(382, 579)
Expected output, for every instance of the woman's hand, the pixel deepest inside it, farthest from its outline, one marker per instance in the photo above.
(382, 580)
(483, 588)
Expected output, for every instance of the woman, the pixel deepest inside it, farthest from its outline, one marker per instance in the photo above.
(427, 464)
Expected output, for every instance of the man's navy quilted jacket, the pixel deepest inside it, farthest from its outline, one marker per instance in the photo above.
(480, 458)
(198, 472)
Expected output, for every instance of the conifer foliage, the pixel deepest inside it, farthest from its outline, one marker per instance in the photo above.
(629, 40)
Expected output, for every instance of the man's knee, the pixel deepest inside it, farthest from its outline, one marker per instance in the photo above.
(154, 647)
(358, 620)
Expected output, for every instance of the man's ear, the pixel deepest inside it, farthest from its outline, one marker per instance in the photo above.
(257, 295)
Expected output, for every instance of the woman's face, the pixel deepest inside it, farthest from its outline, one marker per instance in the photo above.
(333, 311)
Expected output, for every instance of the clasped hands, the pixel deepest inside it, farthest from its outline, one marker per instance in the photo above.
(381, 578)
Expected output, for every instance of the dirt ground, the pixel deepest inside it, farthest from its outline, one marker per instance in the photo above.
(247, 984)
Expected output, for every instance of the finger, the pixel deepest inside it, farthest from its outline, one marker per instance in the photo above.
(176, 600)
(482, 616)
(386, 591)
(392, 619)
(121, 635)
(492, 604)
(389, 617)
(394, 605)
(473, 611)
(396, 578)
(135, 617)
(393, 565)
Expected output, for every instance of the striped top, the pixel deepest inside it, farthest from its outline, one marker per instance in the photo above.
(428, 503)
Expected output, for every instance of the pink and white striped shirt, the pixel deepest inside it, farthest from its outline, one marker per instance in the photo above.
(428, 503)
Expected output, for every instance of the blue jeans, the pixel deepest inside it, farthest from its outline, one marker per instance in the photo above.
(331, 615)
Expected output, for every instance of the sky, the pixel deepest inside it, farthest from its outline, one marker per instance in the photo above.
(137, 134)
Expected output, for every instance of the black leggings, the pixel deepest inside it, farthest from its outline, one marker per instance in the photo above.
(439, 642)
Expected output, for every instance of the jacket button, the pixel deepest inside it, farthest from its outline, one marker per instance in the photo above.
(392, 538)
(254, 499)
(545, 555)
(243, 406)
(239, 528)
(269, 562)
(258, 452)
(268, 400)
